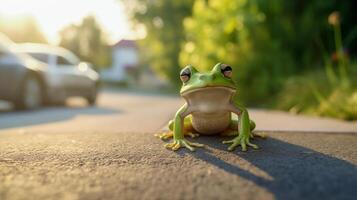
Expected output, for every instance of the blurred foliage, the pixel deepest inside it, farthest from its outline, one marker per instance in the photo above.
(314, 93)
(341, 103)
(21, 29)
(86, 40)
(264, 41)
(335, 95)
(235, 32)
(163, 23)
(284, 53)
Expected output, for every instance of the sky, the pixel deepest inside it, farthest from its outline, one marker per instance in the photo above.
(53, 15)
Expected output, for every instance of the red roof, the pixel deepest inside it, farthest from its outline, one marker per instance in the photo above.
(125, 44)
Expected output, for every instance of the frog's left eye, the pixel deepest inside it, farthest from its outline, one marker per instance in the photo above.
(185, 75)
(226, 70)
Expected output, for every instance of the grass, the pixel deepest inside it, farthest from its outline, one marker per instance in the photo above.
(315, 93)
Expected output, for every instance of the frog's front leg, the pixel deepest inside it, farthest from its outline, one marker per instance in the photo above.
(178, 131)
(244, 129)
(188, 130)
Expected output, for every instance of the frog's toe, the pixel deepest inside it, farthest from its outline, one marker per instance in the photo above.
(169, 134)
(165, 135)
(192, 135)
(233, 146)
(254, 146)
(195, 144)
(177, 144)
(187, 145)
(255, 134)
(244, 143)
(170, 145)
(233, 143)
(244, 146)
(228, 141)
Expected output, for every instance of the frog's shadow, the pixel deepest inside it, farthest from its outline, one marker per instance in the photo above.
(297, 172)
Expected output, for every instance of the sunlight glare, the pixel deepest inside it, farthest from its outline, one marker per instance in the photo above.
(52, 15)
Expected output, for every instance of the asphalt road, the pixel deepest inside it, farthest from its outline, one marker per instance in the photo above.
(109, 152)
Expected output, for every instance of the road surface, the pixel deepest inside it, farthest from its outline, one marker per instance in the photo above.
(109, 152)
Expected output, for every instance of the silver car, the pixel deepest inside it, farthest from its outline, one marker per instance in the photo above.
(66, 75)
(34, 74)
(21, 77)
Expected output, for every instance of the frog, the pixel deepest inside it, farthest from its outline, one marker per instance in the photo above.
(209, 109)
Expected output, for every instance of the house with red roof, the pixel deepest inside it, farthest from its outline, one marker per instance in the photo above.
(125, 61)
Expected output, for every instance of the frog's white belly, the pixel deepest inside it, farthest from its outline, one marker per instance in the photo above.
(210, 114)
(211, 124)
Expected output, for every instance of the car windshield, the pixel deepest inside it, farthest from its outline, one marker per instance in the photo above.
(44, 52)
(69, 57)
(40, 56)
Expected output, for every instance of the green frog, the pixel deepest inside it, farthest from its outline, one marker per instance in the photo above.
(208, 110)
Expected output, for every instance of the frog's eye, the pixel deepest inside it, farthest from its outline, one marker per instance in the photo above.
(185, 75)
(226, 70)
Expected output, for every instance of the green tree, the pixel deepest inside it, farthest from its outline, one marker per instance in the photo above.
(87, 41)
(163, 20)
(265, 41)
(234, 32)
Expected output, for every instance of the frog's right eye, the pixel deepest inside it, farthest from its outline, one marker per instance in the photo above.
(226, 70)
(185, 75)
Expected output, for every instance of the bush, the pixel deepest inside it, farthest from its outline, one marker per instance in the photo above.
(341, 103)
(264, 41)
(313, 93)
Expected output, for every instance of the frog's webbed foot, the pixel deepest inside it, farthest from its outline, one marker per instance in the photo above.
(242, 141)
(169, 134)
(178, 143)
(259, 134)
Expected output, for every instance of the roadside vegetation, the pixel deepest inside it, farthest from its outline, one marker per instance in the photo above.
(298, 56)
(291, 55)
(332, 92)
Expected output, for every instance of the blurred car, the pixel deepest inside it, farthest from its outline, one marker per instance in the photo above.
(21, 77)
(32, 75)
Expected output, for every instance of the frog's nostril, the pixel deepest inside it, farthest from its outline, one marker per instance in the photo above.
(213, 76)
(205, 77)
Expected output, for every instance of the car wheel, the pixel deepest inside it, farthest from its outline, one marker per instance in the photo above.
(92, 98)
(30, 96)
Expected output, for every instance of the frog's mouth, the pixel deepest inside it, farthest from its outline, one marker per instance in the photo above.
(209, 92)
